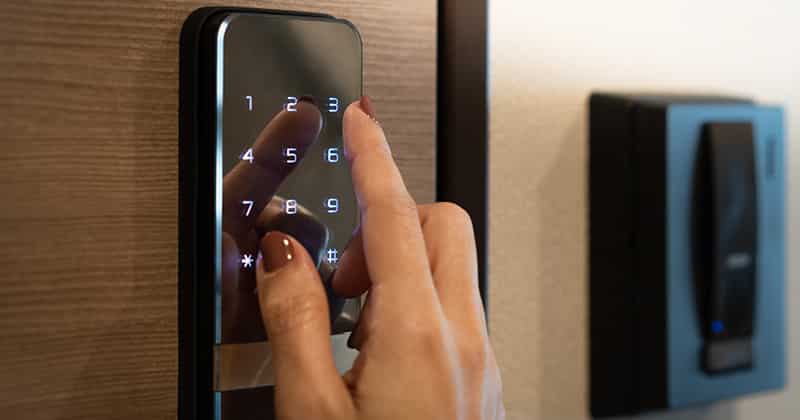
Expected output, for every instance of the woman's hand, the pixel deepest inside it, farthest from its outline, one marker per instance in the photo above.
(424, 349)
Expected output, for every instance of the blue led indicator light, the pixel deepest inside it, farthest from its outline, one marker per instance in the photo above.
(717, 327)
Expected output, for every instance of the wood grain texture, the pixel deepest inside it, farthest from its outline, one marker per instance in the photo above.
(89, 189)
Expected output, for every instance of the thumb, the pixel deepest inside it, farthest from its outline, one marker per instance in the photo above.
(295, 313)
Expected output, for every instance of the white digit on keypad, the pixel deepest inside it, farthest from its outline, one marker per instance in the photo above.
(291, 206)
(291, 155)
(332, 204)
(333, 104)
(249, 100)
(332, 154)
(291, 104)
(248, 155)
(249, 205)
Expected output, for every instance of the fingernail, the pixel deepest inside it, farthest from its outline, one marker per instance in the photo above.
(366, 105)
(307, 98)
(277, 250)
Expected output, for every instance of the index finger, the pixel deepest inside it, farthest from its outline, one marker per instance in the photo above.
(394, 247)
(278, 149)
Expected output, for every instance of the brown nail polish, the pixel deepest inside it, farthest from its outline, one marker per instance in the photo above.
(277, 250)
(366, 105)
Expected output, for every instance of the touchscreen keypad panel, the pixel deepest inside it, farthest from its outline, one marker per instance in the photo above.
(285, 84)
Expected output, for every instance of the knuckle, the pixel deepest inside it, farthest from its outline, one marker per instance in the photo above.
(425, 332)
(474, 357)
(398, 205)
(283, 314)
(403, 205)
(451, 214)
(453, 211)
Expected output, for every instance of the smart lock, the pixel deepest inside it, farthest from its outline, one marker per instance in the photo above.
(686, 250)
(262, 99)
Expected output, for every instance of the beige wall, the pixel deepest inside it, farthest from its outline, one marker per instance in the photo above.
(545, 58)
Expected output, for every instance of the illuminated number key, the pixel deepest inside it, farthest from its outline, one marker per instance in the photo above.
(291, 154)
(332, 205)
(291, 104)
(332, 155)
(248, 204)
(333, 104)
(248, 155)
(291, 206)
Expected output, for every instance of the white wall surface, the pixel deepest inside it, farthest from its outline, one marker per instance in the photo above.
(545, 58)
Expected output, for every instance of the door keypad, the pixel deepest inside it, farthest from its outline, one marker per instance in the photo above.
(274, 88)
(313, 197)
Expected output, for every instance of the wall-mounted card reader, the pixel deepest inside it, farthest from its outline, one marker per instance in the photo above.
(726, 206)
(686, 251)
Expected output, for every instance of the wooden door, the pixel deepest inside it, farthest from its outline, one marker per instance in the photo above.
(89, 188)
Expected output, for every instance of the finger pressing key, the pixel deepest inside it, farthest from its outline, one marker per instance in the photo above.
(394, 246)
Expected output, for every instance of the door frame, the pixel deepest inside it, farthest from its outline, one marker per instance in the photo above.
(462, 114)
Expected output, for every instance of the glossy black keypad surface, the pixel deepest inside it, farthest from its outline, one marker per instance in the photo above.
(285, 84)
